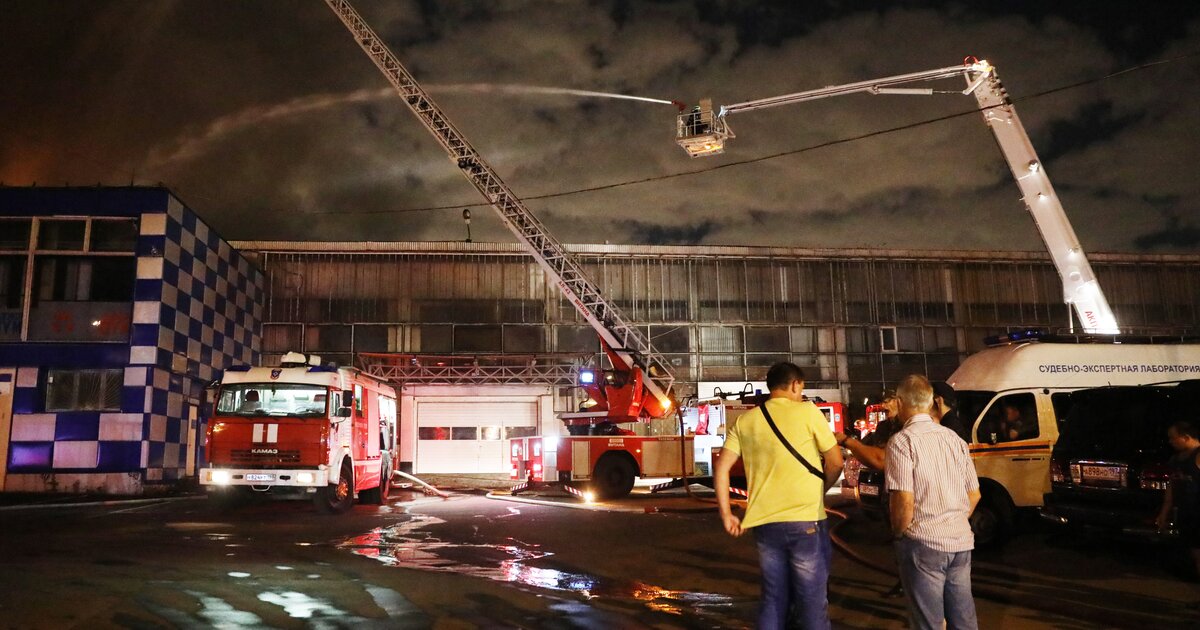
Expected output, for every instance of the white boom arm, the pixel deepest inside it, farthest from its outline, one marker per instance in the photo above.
(630, 343)
(704, 134)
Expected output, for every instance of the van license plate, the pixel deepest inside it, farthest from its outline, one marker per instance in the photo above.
(259, 477)
(866, 489)
(1101, 473)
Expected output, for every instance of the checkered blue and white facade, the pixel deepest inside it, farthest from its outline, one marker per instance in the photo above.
(196, 307)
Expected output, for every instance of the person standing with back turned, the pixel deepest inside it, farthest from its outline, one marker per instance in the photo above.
(933, 489)
(782, 443)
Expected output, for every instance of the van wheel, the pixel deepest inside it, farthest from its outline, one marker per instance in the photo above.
(379, 495)
(613, 476)
(991, 522)
(337, 498)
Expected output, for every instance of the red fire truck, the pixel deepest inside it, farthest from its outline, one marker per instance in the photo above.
(301, 430)
(709, 421)
(639, 386)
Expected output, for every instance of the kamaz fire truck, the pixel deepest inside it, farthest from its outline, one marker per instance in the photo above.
(301, 430)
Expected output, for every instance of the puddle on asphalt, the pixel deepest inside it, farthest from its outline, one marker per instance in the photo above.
(407, 545)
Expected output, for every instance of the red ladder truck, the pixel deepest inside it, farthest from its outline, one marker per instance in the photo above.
(638, 387)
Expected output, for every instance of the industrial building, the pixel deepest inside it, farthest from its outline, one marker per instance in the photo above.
(480, 344)
(117, 307)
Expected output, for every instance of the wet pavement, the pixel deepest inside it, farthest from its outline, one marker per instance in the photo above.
(475, 562)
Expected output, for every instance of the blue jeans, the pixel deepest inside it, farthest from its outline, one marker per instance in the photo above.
(794, 558)
(938, 585)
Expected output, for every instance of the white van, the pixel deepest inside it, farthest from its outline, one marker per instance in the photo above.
(1014, 395)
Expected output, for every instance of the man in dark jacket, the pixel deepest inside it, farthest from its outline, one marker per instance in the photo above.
(945, 413)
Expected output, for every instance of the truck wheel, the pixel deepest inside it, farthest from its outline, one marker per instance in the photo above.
(337, 498)
(613, 477)
(379, 495)
(991, 523)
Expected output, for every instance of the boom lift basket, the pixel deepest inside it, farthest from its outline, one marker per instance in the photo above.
(700, 132)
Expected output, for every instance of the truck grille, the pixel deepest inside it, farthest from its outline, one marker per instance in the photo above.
(248, 456)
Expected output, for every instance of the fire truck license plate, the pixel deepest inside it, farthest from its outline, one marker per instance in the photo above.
(259, 477)
(868, 489)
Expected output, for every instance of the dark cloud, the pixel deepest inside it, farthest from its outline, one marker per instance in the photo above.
(1175, 235)
(1095, 123)
(269, 120)
(658, 234)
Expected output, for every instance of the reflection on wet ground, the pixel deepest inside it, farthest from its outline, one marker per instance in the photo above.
(408, 545)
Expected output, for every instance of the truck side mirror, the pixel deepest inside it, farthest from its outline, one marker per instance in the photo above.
(342, 412)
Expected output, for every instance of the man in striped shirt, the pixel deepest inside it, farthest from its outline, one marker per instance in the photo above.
(933, 490)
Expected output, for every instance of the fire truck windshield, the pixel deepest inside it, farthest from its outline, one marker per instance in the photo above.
(273, 399)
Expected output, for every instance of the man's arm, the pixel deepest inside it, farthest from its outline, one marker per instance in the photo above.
(832, 459)
(725, 463)
(973, 496)
(900, 510)
(872, 456)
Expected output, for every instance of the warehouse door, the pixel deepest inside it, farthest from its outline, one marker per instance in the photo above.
(470, 436)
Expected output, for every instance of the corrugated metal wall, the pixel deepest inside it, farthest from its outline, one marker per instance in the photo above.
(719, 317)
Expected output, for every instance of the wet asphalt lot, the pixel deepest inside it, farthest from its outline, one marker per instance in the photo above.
(475, 562)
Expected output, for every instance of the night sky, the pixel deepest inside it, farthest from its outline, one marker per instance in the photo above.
(267, 119)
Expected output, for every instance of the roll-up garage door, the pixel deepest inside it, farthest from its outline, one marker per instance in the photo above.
(470, 437)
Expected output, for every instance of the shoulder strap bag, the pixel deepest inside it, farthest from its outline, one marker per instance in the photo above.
(770, 421)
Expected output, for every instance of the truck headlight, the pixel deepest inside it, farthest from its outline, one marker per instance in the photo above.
(218, 476)
(305, 477)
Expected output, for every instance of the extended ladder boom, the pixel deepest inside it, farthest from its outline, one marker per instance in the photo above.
(626, 340)
(702, 134)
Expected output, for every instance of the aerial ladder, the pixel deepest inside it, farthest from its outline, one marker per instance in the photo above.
(640, 384)
(702, 132)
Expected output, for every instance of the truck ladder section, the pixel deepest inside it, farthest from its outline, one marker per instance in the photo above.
(559, 370)
(1080, 288)
(631, 344)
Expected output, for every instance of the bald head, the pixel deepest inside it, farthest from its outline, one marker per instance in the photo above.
(915, 394)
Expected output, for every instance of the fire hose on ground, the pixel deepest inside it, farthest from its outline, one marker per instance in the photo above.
(419, 481)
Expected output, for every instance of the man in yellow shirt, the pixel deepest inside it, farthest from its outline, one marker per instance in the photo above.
(786, 508)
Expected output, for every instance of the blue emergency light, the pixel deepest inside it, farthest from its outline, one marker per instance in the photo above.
(587, 377)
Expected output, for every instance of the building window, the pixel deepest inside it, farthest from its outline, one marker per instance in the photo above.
(477, 339)
(84, 390)
(433, 433)
(12, 279)
(575, 339)
(372, 338)
(464, 433)
(887, 339)
(14, 234)
(113, 236)
(519, 432)
(433, 339)
(327, 338)
(84, 279)
(61, 235)
(524, 339)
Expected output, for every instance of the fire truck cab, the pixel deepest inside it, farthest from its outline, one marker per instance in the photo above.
(301, 430)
